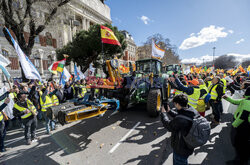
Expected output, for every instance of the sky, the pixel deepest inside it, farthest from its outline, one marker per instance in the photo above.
(194, 26)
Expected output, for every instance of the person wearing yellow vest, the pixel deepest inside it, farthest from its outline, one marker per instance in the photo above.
(223, 82)
(192, 91)
(2, 123)
(24, 108)
(204, 98)
(80, 90)
(174, 86)
(46, 102)
(54, 98)
(216, 92)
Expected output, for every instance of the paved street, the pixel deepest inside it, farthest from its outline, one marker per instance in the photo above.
(129, 137)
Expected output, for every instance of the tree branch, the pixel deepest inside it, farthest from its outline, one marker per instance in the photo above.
(10, 2)
(48, 19)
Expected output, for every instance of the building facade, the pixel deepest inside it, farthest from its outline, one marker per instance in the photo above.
(130, 51)
(75, 16)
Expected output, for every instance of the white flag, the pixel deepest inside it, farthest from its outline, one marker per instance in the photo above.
(4, 61)
(156, 51)
(8, 110)
(29, 69)
(64, 77)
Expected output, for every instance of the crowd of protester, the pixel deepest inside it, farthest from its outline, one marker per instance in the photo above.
(31, 101)
(196, 93)
(193, 95)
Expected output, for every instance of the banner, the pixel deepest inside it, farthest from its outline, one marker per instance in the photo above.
(4, 61)
(64, 77)
(78, 74)
(57, 66)
(156, 51)
(29, 69)
(8, 110)
(108, 36)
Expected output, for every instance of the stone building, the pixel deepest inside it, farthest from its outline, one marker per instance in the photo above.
(75, 16)
(130, 51)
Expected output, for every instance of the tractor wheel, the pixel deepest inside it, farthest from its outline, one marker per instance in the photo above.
(154, 102)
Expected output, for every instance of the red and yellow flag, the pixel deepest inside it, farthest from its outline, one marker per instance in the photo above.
(57, 66)
(108, 36)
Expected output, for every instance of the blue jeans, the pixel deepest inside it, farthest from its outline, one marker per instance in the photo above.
(179, 160)
(49, 123)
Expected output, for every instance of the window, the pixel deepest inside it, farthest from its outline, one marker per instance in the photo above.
(37, 40)
(48, 38)
(5, 53)
(14, 65)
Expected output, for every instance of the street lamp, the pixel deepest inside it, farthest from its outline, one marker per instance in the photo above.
(213, 54)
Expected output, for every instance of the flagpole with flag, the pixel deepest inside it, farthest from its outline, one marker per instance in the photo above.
(157, 52)
(3, 63)
(29, 69)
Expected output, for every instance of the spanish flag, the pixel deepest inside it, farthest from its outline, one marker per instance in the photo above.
(108, 36)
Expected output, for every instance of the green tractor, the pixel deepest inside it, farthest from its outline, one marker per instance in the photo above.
(146, 85)
(173, 68)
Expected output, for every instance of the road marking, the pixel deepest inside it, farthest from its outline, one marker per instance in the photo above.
(18, 139)
(123, 138)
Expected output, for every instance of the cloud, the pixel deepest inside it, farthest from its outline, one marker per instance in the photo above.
(230, 31)
(117, 19)
(241, 40)
(145, 19)
(199, 60)
(239, 58)
(206, 35)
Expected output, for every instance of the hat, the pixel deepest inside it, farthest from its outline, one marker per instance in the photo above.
(247, 93)
(194, 82)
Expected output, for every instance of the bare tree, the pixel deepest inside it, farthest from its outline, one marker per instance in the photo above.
(245, 63)
(18, 14)
(225, 62)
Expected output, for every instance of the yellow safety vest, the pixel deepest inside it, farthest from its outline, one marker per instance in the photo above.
(13, 95)
(177, 92)
(74, 92)
(205, 88)
(31, 107)
(209, 83)
(193, 99)
(224, 85)
(213, 93)
(84, 90)
(1, 116)
(55, 100)
(48, 103)
(201, 105)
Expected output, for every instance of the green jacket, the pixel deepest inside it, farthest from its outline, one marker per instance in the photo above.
(243, 111)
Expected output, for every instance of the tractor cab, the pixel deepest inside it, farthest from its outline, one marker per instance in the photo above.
(149, 66)
(170, 69)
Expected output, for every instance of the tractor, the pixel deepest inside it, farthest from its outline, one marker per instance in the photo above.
(173, 68)
(146, 85)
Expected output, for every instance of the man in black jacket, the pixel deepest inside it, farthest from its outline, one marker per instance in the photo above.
(216, 91)
(179, 127)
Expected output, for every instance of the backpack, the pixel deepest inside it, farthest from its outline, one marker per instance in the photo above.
(199, 132)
